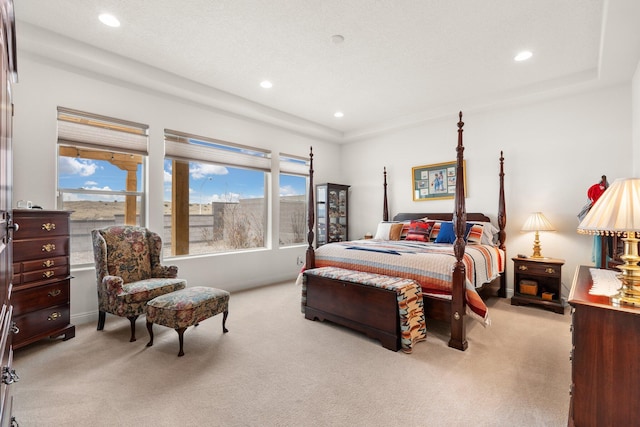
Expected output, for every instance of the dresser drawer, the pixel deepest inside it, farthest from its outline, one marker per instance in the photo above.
(40, 225)
(40, 248)
(40, 269)
(40, 322)
(33, 299)
(55, 273)
(538, 269)
(44, 263)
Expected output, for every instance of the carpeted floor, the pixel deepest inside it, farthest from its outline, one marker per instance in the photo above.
(275, 368)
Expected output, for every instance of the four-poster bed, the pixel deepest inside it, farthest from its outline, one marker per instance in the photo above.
(362, 304)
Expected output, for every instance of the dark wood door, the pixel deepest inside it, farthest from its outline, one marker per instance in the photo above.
(7, 77)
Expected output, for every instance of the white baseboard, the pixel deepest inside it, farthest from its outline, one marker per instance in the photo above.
(82, 318)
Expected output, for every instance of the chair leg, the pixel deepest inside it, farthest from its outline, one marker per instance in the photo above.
(150, 329)
(180, 332)
(101, 317)
(132, 319)
(224, 321)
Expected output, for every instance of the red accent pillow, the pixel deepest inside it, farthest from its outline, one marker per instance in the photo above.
(420, 230)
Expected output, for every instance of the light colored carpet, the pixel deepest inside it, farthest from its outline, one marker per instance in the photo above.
(275, 368)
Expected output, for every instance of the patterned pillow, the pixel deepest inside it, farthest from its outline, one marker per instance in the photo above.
(474, 235)
(434, 231)
(396, 231)
(405, 229)
(420, 230)
(490, 231)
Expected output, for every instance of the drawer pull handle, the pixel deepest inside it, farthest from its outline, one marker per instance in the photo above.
(55, 315)
(14, 328)
(48, 247)
(523, 267)
(48, 263)
(55, 293)
(47, 274)
(49, 226)
(550, 270)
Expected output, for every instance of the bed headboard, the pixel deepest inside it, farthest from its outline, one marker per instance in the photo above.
(406, 216)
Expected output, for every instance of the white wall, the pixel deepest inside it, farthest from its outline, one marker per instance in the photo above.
(44, 85)
(553, 150)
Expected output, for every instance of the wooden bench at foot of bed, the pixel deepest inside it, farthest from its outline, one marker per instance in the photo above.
(389, 309)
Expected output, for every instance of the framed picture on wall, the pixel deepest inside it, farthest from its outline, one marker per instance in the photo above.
(436, 181)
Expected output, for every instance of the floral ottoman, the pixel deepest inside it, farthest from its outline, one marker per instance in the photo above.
(186, 307)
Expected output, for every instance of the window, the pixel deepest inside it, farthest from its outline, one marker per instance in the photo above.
(100, 175)
(293, 199)
(215, 195)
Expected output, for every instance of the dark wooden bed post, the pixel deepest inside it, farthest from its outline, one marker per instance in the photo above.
(502, 223)
(311, 256)
(385, 204)
(458, 338)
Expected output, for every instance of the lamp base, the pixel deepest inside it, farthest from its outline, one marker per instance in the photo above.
(626, 296)
(537, 249)
(630, 277)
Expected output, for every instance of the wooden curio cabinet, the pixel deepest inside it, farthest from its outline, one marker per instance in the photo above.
(332, 208)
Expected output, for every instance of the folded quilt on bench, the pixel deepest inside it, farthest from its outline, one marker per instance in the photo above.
(408, 294)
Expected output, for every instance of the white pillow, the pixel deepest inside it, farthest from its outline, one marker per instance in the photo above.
(383, 230)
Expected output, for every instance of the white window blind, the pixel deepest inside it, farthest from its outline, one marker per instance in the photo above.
(295, 165)
(78, 128)
(182, 146)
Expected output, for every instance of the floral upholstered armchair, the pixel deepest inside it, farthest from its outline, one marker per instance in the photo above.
(128, 272)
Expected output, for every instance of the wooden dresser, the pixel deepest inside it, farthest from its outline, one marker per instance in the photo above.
(41, 276)
(605, 369)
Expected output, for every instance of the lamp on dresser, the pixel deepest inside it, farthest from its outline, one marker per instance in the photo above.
(537, 222)
(617, 213)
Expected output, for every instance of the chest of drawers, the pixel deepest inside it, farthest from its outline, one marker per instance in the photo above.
(605, 378)
(41, 276)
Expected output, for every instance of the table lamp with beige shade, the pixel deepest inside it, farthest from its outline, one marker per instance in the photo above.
(617, 213)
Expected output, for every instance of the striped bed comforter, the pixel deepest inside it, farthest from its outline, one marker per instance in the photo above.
(430, 264)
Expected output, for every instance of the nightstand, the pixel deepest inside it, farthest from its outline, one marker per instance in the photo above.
(538, 281)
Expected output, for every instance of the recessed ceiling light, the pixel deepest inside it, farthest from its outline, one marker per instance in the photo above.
(338, 114)
(266, 84)
(108, 19)
(523, 56)
(337, 39)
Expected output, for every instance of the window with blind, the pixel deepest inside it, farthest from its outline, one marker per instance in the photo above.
(215, 195)
(294, 172)
(100, 176)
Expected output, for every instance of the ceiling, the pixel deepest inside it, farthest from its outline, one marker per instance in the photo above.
(401, 61)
